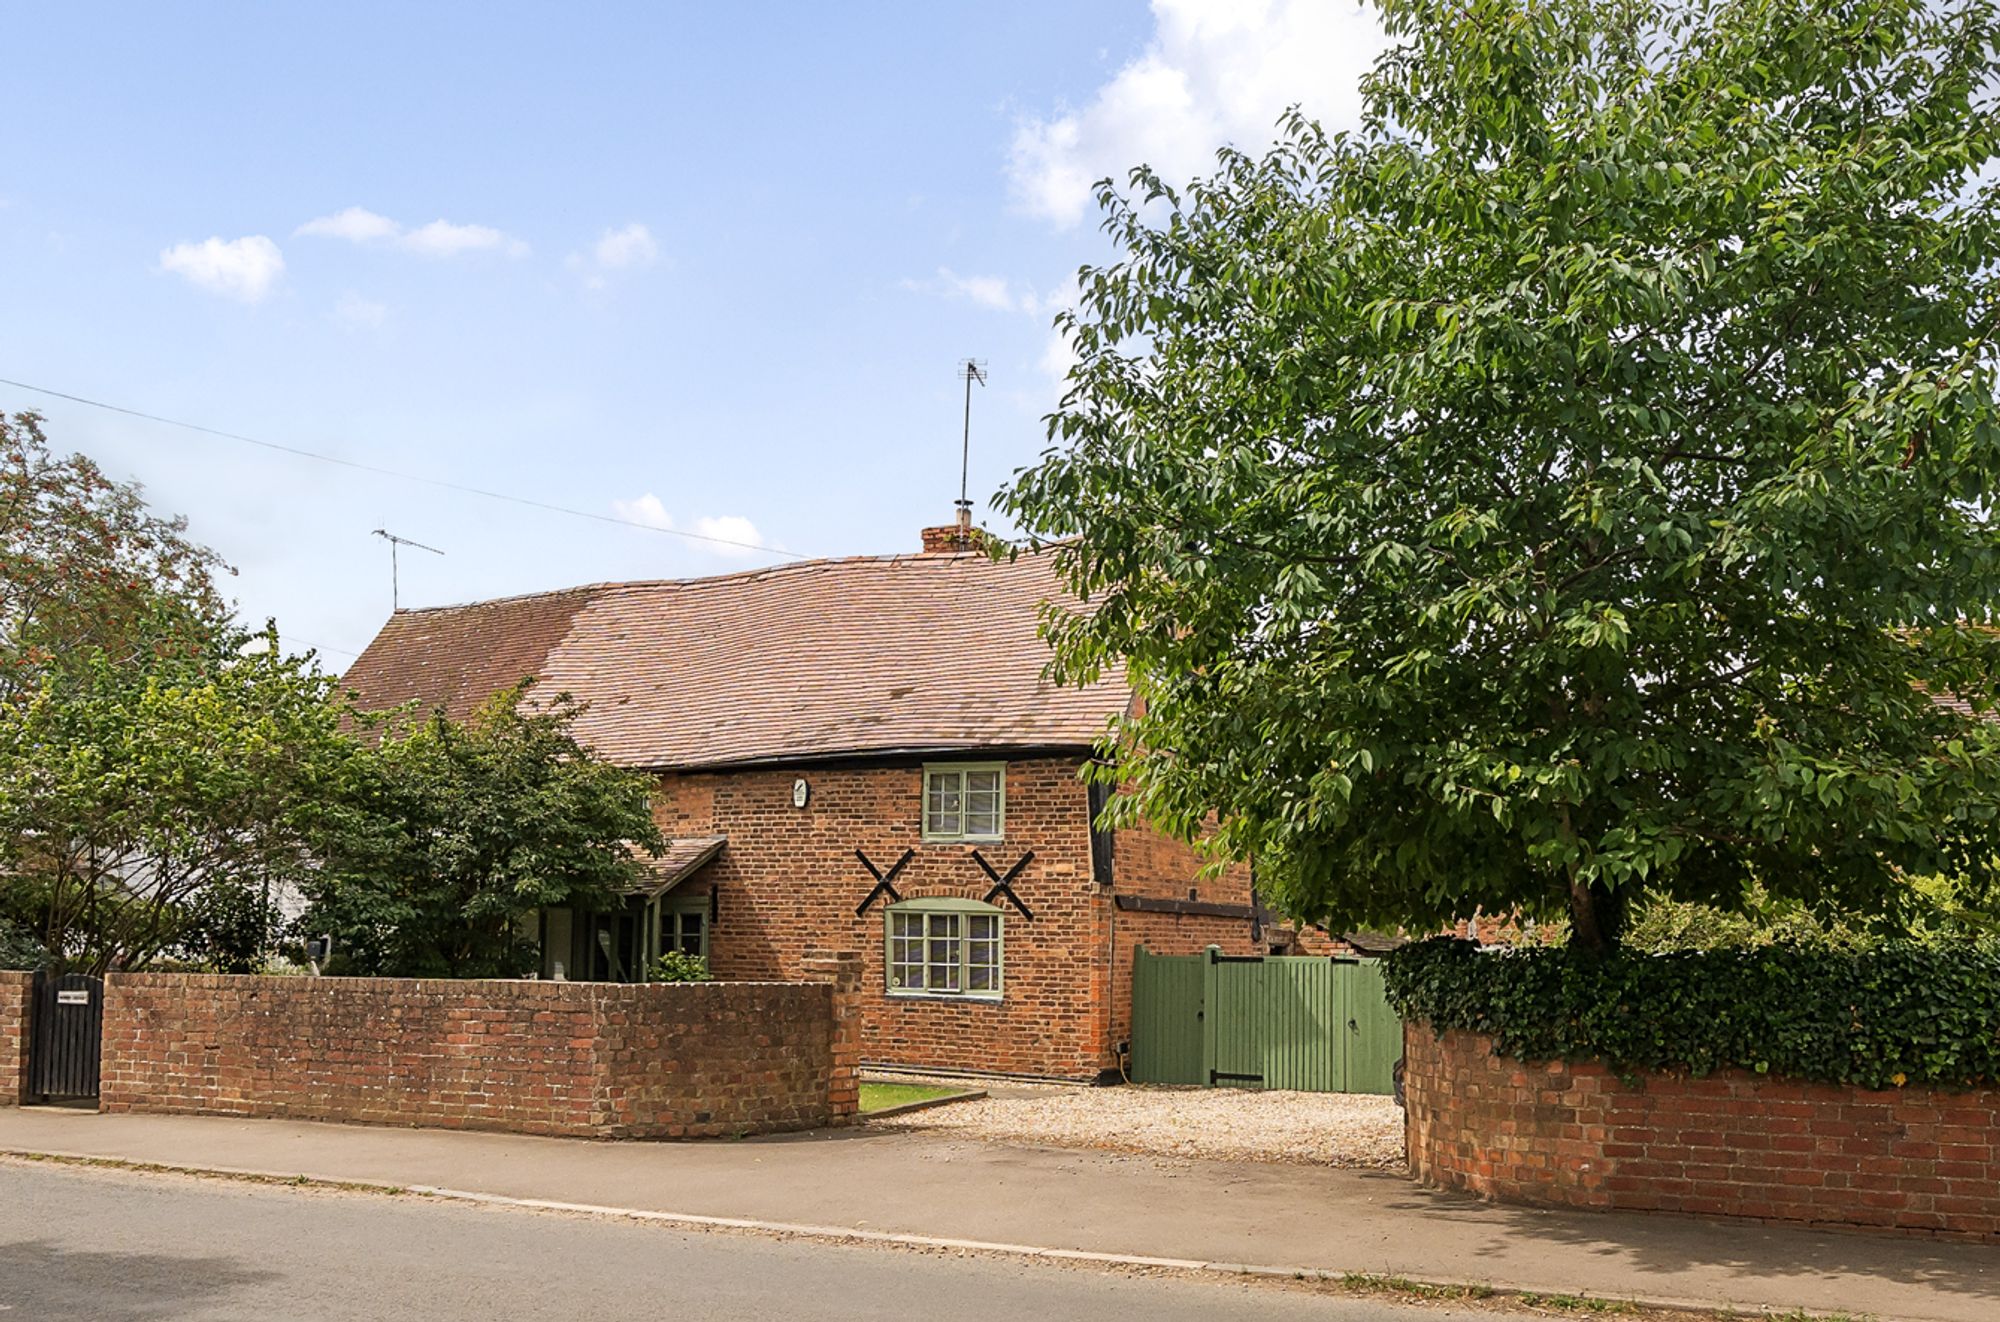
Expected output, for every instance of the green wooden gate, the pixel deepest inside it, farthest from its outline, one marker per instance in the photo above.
(1253, 1021)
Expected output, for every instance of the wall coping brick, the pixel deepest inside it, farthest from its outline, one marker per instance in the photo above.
(656, 1060)
(1734, 1144)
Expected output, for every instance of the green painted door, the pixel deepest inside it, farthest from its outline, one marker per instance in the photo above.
(1166, 1018)
(1372, 1032)
(1232, 1020)
(1301, 1023)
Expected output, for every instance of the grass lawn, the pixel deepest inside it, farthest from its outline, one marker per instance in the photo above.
(877, 1096)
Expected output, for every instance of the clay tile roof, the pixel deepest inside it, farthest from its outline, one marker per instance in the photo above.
(685, 856)
(928, 654)
(456, 657)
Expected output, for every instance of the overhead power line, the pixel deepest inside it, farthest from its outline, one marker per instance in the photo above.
(379, 471)
(322, 647)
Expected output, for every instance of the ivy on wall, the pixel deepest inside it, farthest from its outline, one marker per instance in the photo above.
(1879, 1017)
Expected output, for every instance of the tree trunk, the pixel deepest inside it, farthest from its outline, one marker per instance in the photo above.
(1596, 916)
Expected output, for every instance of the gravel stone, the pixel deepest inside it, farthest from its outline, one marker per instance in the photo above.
(1217, 1124)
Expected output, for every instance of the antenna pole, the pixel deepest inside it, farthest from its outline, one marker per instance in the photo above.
(395, 575)
(973, 369)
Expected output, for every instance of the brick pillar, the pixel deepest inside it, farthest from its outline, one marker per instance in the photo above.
(16, 1005)
(843, 1086)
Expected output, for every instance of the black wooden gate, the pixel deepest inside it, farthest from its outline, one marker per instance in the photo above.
(68, 1037)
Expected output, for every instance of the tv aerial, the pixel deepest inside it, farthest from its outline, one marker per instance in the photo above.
(395, 586)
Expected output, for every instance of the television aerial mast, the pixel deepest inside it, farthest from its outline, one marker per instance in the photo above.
(971, 369)
(395, 586)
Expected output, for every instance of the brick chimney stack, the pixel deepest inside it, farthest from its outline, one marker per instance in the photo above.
(952, 538)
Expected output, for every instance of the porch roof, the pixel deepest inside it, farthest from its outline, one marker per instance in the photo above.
(685, 856)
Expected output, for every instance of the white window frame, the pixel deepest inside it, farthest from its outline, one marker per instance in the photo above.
(934, 835)
(947, 922)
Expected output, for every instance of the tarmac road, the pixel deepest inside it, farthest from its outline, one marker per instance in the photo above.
(121, 1246)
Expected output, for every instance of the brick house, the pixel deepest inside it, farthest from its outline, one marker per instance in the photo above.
(856, 754)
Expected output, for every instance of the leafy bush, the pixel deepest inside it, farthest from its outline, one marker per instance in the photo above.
(677, 966)
(18, 947)
(229, 929)
(1879, 1016)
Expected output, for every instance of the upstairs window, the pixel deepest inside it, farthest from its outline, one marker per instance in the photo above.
(965, 801)
(943, 947)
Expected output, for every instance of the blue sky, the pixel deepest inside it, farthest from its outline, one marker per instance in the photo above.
(706, 267)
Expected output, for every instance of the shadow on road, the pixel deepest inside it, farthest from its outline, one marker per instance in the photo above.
(42, 1279)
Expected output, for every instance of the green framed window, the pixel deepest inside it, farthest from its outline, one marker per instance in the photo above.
(944, 947)
(965, 801)
(684, 925)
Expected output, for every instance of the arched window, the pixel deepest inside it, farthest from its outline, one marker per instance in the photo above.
(944, 947)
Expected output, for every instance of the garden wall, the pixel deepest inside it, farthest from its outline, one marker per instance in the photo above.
(1733, 1144)
(16, 991)
(589, 1059)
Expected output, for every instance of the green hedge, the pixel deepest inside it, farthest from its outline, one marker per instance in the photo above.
(1877, 1017)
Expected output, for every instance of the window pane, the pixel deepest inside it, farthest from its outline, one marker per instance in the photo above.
(941, 972)
(906, 951)
(944, 794)
(982, 802)
(982, 952)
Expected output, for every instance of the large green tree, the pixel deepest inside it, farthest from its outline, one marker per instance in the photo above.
(134, 808)
(1577, 479)
(451, 834)
(86, 567)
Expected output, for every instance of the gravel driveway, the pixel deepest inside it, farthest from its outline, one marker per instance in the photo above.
(1221, 1124)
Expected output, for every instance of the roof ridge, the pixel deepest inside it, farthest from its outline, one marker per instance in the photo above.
(702, 580)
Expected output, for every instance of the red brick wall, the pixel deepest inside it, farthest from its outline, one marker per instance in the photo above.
(789, 882)
(842, 970)
(15, 990)
(658, 1061)
(1735, 1144)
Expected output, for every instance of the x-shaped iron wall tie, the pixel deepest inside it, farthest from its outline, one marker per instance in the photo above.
(884, 881)
(1005, 885)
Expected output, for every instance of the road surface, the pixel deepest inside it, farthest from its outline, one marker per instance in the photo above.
(120, 1246)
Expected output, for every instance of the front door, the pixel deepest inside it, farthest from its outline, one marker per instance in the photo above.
(616, 953)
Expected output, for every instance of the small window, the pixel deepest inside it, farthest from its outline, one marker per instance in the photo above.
(944, 948)
(965, 802)
(684, 926)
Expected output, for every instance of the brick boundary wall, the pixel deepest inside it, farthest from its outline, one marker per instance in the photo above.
(16, 1022)
(666, 1060)
(1573, 1134)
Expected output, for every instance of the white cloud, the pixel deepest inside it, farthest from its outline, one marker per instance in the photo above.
(726, 528)
(1058, 356)
(360, 313)
(1216, 73)
(627, 248)
(647, 510)
(730, 528)
(991, 291)
(631, 246)
(440, 238)
(988, 291)
(244, 268)
(355, 224)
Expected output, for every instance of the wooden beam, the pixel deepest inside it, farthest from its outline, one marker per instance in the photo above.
(1190, 908)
